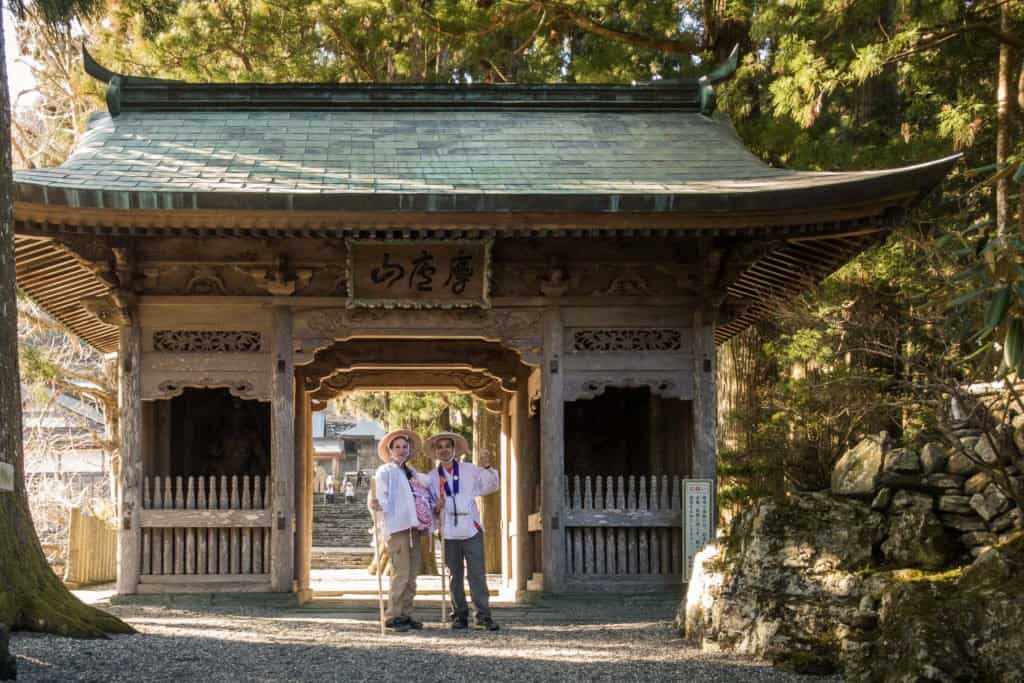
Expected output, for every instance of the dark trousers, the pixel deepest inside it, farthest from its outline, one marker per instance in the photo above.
(468, 555)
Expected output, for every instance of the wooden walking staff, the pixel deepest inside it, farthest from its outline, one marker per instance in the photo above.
(444, 563)
(380, 556)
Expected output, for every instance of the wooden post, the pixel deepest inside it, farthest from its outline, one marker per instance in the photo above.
(303, 492)
(522, 481)
(705, 412)
(129, 537)
(282, 537)
(552, 453)
(507, 493)
(487, 428)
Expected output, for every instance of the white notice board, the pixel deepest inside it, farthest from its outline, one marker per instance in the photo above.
(6, 476)
(697, 513)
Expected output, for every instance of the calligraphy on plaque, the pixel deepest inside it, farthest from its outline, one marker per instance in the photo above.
(697, 511)
(421, 274)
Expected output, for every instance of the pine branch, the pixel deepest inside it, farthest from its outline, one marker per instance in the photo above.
(687, 47)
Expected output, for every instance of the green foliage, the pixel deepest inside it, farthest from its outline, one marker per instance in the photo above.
(388, 40)
(884, 342)
(424, 412)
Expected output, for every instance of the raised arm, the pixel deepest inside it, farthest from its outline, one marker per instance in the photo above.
(379, 491)
(487, 480)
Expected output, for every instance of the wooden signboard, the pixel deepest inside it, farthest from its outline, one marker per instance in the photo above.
(6, 476)
(420, 274)
(696, 520)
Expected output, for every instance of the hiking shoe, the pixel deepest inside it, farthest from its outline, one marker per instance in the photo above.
(413, 624)
(459, 623)
(397, 624)
(487, 624)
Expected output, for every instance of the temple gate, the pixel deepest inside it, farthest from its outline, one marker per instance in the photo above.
(570, 255)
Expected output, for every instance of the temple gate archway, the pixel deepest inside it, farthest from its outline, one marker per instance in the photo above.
(492, 373)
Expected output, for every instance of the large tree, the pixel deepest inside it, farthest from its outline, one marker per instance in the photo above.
(31, 595)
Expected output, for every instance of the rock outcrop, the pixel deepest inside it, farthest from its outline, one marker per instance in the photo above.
(910, 569)
(786, 587)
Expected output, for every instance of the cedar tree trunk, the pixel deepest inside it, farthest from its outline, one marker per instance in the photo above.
(31, 596)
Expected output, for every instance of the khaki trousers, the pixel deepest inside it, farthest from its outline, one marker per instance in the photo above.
(404, 551)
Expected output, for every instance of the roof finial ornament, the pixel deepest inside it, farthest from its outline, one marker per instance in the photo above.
(102, 73)
(717, 75)
(115, 81)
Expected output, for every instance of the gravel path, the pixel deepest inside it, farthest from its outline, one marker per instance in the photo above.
(600, 638)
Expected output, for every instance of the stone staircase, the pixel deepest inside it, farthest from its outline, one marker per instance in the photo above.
(341, 524)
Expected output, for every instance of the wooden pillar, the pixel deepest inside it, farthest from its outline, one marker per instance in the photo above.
(524, 467)
(129, 395)
(552, 453)
(303, 493)
(705, 412)
(508, 487)
(487, 449)
(282, 452)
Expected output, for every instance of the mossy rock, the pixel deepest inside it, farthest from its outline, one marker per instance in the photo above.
(812, 661)
(956, 625)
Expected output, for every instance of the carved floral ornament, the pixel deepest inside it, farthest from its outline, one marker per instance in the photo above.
(237, 387)
(208, 341)
(587, 387)
(640, 339)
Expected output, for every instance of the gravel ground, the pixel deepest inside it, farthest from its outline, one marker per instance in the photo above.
(564, 639)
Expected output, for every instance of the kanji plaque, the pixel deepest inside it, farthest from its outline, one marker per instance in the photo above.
(421, 274)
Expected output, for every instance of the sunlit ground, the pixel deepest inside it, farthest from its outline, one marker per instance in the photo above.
(600, 637)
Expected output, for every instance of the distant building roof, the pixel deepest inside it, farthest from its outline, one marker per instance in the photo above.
(365, 427)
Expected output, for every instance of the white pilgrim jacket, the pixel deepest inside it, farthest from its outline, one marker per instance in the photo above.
(398, 510)
(473, 481)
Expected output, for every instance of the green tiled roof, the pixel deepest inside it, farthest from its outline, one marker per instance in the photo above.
(431, 152)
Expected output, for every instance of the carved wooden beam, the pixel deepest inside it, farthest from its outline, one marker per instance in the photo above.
(490, 358)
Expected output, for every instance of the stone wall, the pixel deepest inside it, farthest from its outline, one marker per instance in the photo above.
(911, 568)
(941, 507)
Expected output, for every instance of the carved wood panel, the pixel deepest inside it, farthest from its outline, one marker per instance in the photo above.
(626, 339)
(207, 341)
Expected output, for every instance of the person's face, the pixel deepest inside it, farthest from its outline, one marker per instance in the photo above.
(399, 450)
(445, 450)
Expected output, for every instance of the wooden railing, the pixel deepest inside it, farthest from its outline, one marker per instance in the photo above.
(619, 527)
(205, 527)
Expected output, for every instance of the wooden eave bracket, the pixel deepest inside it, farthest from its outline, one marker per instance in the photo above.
(107, 309)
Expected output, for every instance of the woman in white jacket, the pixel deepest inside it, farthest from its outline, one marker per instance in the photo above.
(401, 495)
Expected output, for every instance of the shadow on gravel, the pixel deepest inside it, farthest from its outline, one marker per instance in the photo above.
(291, 645)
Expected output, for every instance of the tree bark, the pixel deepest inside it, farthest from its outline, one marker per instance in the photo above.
(31, 596)
(1004, 121)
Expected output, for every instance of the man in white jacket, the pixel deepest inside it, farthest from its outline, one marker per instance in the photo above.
(457, 485)
(392, 495)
